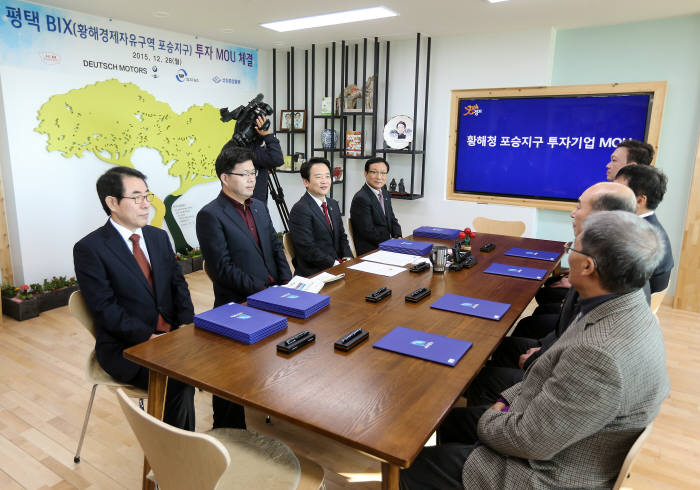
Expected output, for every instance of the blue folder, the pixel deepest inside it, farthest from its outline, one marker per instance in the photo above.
(434, 232)
(292, 302)
(406, 246)
(532, 254)
(241, 323)
(516, 271)
(471, 306)
(424, 345)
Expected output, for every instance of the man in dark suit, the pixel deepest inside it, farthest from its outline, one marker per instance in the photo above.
(315, 224)
(579, 409)
(371, 214)
(649, 186)
(133, 286)
(629, 152)
(240, 248)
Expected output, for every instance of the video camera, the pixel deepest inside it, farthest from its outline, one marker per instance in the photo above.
(246, 117)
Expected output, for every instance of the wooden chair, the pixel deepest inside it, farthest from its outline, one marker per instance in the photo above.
(631, 455)
(510, 228)
(288, 248)
(93, 371)
(656, 299)
(220, 458)
(351, 238)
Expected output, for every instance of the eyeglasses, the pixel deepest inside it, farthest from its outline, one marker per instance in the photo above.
(139, 199)
(378, 172)
(245, 175)
(568, 247)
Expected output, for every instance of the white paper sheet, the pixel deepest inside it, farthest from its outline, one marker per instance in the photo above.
(394, 258)
(376, 268)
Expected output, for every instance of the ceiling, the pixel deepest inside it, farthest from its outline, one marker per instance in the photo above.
(237, 21)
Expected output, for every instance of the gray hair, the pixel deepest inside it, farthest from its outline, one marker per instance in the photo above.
(627, 249)
(611, 201)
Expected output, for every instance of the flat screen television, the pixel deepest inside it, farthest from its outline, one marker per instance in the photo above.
(540, 146)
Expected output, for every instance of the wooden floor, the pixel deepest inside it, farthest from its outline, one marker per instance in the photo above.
(43, 397)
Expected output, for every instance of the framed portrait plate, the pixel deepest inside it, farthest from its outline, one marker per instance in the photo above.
(398, 132)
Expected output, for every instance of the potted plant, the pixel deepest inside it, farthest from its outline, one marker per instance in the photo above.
(20, 303)
(185, 262)
(196, 255)
(56, 292)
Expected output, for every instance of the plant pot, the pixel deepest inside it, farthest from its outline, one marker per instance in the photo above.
(186, 266)
(56, 298)
(20, 309)
(197, 263)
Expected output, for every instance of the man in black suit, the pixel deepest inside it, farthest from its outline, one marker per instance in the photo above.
(371, 214)
(649, 186)
(315, 223)
(629, 152)
(133, 286)
(240, 247)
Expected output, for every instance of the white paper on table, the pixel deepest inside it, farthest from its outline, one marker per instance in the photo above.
(304, 284)
(326, 277)
(393, 258)
(376, 268)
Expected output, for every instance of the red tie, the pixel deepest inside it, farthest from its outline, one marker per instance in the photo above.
(141, 260)
(325, 212)
(381, 202)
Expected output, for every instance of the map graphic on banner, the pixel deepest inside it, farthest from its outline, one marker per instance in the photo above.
(133, 88)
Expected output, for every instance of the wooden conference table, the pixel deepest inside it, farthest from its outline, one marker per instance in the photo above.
(381, 403)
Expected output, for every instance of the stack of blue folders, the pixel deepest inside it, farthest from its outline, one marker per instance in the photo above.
(406, 247)
(240, 322)
(433, 232)
(292, 302)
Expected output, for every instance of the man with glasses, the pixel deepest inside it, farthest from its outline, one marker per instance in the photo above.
(315, 225)
(133, 286)
(372, 217)
(579, 409)
(240, 248)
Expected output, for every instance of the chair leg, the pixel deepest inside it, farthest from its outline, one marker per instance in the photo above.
(141, 404)
(76, 458)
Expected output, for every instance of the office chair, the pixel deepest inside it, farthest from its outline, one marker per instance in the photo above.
(631, 455)
(498, 227)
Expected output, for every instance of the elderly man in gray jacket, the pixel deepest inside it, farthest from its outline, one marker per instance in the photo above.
(572, 419)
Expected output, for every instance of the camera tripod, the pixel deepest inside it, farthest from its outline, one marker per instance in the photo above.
(277, 194)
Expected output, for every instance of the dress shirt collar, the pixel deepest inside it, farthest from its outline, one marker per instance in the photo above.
(646, 214)
(377, 193)
(588, 304)
(319, 202)
(238, 205)
(126, 233)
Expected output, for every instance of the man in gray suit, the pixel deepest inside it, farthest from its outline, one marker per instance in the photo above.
(572, 419)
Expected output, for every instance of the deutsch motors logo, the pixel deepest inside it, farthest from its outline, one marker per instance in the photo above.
(49, 58)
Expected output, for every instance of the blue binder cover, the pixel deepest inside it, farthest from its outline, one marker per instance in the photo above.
(516, 271)
(406, 246)
(292, 302)
(424, 345)
(434, 232)
(471, 306)
(240, 322)
(532, 254)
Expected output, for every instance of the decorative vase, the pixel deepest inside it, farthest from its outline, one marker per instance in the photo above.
(329, 139)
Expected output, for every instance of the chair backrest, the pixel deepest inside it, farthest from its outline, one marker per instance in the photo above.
(656, 299)
(351, 238)
(78, 308)
(498, 227)
(631, 455)
(288, 247)
(180, 459)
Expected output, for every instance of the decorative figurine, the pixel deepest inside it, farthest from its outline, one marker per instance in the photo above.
(392, 185)
(402, 187)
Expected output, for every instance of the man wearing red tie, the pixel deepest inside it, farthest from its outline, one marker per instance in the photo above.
(315, 224)
(133, 286)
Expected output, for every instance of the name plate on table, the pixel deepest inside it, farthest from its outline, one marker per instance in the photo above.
(471, 306)
(532, 254)
(516, 271)
(240, 323)
(434, 232)
(424, 345)
(292, 302)
(406, 246)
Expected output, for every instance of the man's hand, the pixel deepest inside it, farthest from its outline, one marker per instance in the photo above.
(498, 406)
(259, 124)
(525, 357)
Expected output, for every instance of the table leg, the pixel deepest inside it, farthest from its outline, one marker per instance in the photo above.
(390, 476)
(156, 404)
